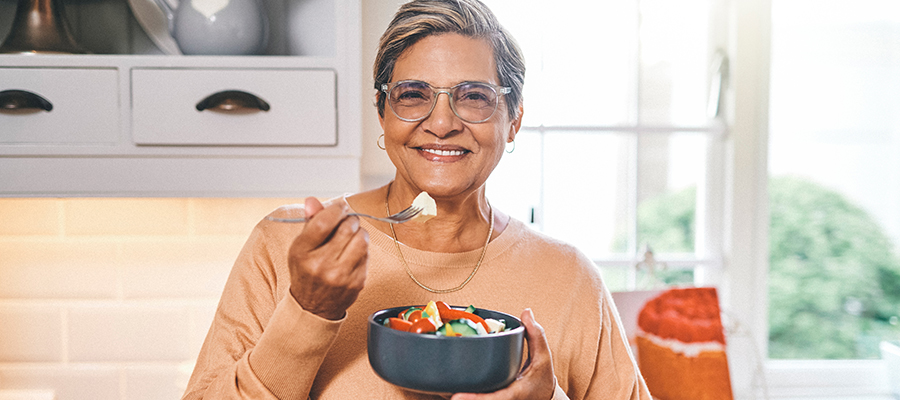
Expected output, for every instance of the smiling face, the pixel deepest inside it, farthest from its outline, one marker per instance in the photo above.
(442, 154)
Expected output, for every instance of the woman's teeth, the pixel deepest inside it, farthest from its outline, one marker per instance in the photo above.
(445, 152)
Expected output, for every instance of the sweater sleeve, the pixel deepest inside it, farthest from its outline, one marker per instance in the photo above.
(616, 374)
(259, 346)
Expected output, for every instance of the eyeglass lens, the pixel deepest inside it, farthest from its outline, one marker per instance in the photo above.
(472, 102)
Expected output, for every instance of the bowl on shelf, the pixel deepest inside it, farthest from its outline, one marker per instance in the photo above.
(442, 365)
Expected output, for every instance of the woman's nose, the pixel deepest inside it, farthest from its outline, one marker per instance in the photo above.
(443, 120)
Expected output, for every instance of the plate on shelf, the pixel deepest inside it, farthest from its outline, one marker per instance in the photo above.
(155, 23)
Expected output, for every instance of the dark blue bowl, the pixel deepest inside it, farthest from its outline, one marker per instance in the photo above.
(442, 365)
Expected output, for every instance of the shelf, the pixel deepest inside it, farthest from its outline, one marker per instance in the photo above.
(113, 131)
(313, 28)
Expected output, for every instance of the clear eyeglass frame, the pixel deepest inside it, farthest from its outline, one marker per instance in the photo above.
(450, 91)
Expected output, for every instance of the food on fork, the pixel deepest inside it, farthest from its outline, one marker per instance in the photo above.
(428, 206)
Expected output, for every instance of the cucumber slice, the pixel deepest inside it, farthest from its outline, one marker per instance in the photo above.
(461, 327)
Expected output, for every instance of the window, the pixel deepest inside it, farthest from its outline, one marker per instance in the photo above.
(834, 140)
(616, 126)
(618, 151)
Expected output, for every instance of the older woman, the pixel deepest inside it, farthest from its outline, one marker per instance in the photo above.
(291, 323)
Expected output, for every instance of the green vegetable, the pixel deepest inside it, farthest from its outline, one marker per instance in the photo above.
(459, 327)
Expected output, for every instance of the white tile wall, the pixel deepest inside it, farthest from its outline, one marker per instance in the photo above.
(110, 332)
(31, 333)
(68, 381)
(180, 268)
(27, 395)
(58, 267)
(107, 299)
(152, 382)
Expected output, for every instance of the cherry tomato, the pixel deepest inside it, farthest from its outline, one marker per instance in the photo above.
(399, 324)
(423, 325)
(414, 316)
(452, 314)
(441, 307)
(404, 315)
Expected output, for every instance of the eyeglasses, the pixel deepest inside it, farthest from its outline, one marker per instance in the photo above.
(473, 102)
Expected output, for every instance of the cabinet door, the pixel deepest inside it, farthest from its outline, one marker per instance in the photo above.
(178, 107)
(80, 106)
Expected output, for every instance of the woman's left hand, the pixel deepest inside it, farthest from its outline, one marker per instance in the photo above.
(536, 380)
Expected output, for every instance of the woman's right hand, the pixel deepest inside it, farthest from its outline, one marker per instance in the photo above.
(327, 260)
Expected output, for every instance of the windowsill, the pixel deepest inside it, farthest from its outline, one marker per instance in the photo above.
(827, 379)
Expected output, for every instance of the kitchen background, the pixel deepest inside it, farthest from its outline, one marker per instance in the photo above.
(108, 298)
(111, 298)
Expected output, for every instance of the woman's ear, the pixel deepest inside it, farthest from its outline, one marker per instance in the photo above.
(516, 125)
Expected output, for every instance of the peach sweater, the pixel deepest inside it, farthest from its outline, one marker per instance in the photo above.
(263, 345)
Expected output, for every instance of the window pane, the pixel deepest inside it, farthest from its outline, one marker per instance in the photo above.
(586, 190)
(671, 167)
(616, 277)
(515, 185)
(600, 64)
(524, 21)
(674, 45)
(581, 59)
(667, 276)
(834, 280)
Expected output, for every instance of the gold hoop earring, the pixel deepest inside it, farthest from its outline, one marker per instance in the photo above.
(378, 142)
(513, 148)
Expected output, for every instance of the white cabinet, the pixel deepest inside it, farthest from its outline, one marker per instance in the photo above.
(282, 124)
(233, 107)
(80, 102)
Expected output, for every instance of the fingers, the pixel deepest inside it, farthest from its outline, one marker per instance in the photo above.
(536, 380)
(538, 348)
(335, 240)
(539, 373)
(353, 245)
(311, 206)
(322, 223)
(328, 260)
(349, 247)
(332, 227)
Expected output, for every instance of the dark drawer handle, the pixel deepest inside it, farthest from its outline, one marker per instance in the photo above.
(232, 101)
(23, 100)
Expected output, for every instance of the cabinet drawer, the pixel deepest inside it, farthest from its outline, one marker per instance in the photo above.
(301, 107)
(84, 106)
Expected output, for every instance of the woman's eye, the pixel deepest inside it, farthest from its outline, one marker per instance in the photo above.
(411, 95)
(474, 96)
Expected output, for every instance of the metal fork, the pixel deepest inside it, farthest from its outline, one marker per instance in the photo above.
(398, 218)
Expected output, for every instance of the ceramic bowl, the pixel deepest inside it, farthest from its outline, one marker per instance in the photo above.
(442, 365)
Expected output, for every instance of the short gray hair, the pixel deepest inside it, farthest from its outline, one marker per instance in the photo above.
(472, 18)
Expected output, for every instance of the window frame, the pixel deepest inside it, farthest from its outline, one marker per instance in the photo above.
(734, 240)
(745, 281)
(707, 260)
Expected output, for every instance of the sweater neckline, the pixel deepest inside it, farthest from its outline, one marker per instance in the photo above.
(501, 243)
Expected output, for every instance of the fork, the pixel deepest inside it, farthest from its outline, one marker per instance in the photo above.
(398, 218)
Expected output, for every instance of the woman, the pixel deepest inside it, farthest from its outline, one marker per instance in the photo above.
(292, 319)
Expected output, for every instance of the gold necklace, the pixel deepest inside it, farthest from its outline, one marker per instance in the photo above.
(409, 272)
